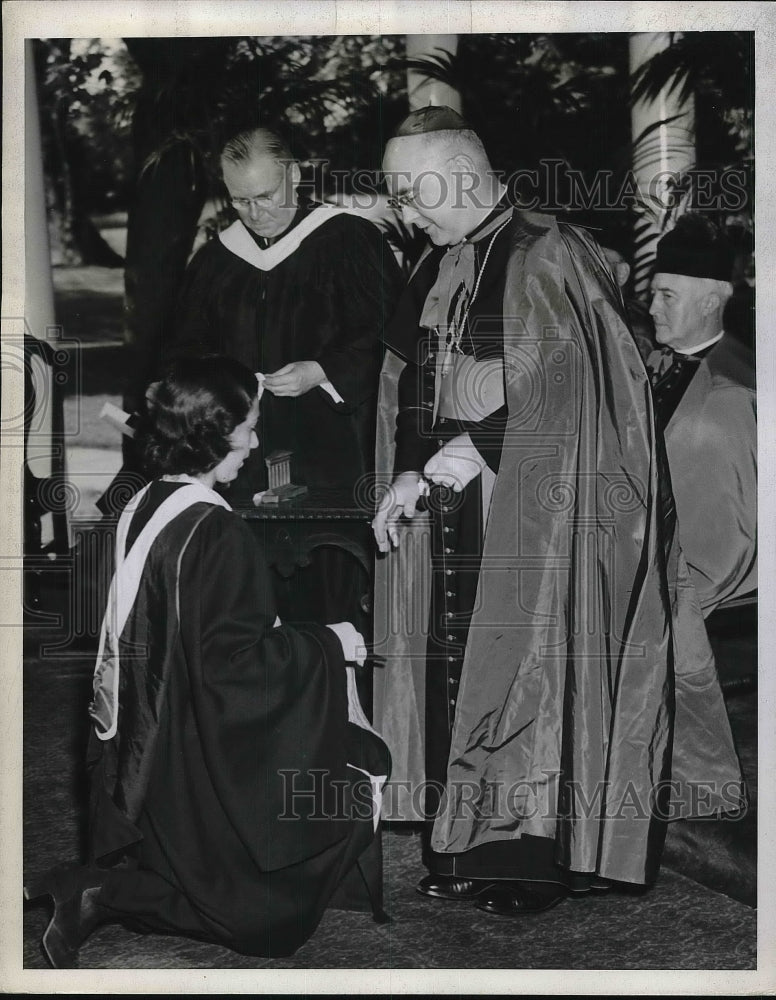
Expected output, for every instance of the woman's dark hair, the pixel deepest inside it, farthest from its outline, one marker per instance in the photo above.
(192, 411)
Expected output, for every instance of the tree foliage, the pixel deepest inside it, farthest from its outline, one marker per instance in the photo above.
(537, 98)
(85, 92)
(114, 109)
(326, 95)
(550, 104)
(142, 125)
(716, 70)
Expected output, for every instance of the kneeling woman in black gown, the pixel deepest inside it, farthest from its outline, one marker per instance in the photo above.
(231, 795)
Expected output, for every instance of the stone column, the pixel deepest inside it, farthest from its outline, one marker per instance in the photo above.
(422, 90)
(45, 454)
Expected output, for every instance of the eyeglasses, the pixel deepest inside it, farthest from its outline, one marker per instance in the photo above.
(406, 200)
(260, 200)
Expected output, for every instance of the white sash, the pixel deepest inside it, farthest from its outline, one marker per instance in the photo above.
(239, 241)
(123, 592)
(357, 716)
(121, 599)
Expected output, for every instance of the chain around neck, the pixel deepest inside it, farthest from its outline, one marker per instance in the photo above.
(457, 334)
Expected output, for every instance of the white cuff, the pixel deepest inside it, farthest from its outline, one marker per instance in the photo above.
(328, 387)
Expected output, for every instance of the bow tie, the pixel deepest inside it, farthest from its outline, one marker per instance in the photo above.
(447, 302)
(672, 362)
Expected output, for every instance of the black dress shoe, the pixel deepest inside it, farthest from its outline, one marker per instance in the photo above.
(451, 887)
(590, 885)
(513, 899)
(76, 911)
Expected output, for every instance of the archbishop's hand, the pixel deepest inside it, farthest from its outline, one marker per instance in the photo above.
(455, 464)
(352, 642)
(401, 498)
(295, 379)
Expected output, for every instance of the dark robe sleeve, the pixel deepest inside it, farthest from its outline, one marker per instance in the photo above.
(415, 443)
(363, 286)
(415, 440)
(488, 436)
(266, 699)
(194, 331)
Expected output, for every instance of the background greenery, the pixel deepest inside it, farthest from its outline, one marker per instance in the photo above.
(135, 125)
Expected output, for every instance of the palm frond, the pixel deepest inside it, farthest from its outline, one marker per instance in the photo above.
(407, 240)
(445, 67)
(699, 61)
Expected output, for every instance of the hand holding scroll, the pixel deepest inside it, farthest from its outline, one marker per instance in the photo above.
(295, 379)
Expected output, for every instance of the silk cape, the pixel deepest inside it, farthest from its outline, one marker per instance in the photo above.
(589, 711)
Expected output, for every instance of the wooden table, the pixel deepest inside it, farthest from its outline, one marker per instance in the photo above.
(293, 530)
(76, 585)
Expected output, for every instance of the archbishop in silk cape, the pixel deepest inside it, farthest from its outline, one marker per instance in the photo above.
(589, 702)
(218, 714)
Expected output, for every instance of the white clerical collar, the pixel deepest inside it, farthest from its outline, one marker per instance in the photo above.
(689, 351)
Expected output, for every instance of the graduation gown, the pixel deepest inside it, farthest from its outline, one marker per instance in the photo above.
(324, 298)
(587, 703)
(226, 779)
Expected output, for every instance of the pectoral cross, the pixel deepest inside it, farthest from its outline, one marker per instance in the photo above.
(452, 343)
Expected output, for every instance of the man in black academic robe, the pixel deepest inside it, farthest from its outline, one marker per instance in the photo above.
(299, 291)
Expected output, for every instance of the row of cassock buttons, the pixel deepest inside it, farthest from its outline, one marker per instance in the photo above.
(447, 530)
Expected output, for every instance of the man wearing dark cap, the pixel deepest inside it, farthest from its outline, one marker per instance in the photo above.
(704, 387)
(569, 688)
